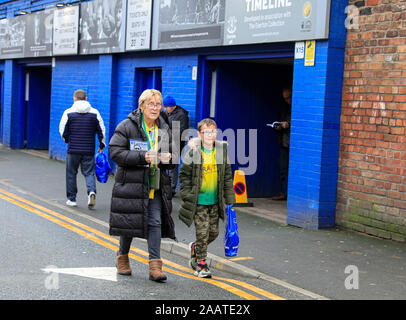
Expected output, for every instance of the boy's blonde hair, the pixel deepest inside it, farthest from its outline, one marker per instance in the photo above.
(207, 122)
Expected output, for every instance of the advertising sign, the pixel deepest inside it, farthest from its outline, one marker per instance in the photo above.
(102, 26)
(188, 23)
(139, 15)
(38, 34)
(66, 31)
(12, 37)
(251, 21)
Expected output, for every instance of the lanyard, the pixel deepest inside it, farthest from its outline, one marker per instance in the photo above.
(152, 144)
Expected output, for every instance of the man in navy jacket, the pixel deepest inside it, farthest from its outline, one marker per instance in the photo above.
(78, 127)
(178, 120)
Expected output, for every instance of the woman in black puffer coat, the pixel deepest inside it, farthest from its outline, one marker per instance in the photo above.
(136, 210)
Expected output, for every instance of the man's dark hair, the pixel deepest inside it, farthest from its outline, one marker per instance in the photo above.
(80, 95)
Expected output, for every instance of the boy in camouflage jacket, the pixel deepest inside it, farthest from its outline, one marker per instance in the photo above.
(206, 186)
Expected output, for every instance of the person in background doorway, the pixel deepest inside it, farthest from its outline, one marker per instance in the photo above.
(178, 119)
(284, 141)
(141, 202)
(78, 127)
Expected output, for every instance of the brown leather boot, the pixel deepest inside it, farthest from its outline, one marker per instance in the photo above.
(155, 270)
(123, 265)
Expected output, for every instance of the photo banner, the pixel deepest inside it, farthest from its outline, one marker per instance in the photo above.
(139, 16)
(188, 23)
(102, 26)
(251, 21)
(38, 34)
(12, 37)
(66, 31)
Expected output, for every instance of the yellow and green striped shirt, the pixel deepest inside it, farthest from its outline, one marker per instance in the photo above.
(208, 194)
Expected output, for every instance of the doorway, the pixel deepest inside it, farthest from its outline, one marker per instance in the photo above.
(247, 94)
(37, 99)
(148, 78)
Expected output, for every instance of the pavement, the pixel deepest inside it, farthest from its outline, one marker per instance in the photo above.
(320, 264)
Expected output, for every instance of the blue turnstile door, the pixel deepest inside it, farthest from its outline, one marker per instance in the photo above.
(38, 100)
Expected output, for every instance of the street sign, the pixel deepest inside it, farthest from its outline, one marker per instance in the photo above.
(299, 50)
(310, 53)
(240, 189)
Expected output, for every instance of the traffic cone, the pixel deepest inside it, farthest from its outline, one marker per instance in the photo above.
(240, 190)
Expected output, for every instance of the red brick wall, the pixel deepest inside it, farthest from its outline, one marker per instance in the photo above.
(372, 165)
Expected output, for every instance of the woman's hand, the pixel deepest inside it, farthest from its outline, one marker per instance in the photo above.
(151, 156)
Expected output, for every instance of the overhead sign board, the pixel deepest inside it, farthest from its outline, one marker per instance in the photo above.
(113, 26)
(251, 21)
(188, 23)
(102, 26)
(66, 31)
(38, 34)
(12, 37)
(139, 16)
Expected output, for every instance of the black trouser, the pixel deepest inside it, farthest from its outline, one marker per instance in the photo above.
(154, 230)
(87, 164)
(174, 177)
(284, 166)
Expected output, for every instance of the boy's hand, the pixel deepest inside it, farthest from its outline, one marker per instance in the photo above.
(165, 157)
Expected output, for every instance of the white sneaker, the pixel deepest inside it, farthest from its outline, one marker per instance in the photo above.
(71, 203)
(91, 200)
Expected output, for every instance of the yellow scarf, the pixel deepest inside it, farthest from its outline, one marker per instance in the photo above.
(153, 144)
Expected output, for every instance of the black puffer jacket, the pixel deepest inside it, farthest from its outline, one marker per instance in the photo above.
(182, 116)
(129, 202)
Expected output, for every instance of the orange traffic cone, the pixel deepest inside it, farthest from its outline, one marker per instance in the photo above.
(240, 189)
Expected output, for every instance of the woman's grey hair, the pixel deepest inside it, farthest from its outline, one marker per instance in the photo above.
(147, 94)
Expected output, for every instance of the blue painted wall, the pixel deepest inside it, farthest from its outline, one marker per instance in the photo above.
(69, 75)
(314, 148)
(110, 81)
(111, 87)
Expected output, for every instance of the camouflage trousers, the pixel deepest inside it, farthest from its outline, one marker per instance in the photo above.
(207, 228)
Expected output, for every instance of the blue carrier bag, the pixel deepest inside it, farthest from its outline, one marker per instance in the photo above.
(231, 238)
(102, 167)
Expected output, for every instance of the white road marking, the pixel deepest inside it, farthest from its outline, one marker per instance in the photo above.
(109, 274)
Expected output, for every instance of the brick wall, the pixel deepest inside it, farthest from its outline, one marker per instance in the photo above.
(372, 163)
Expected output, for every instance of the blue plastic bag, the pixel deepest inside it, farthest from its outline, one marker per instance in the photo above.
(231, 238)
(102, 167)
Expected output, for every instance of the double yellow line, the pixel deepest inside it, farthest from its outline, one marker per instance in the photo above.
(112, 243)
